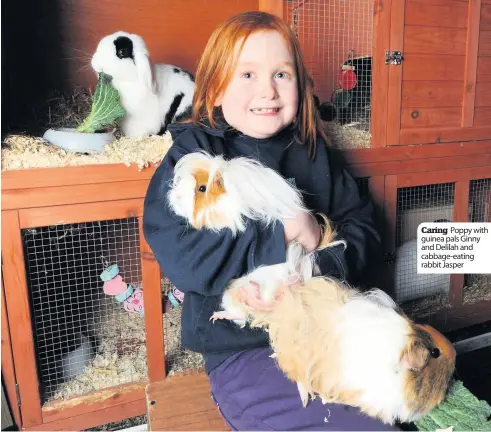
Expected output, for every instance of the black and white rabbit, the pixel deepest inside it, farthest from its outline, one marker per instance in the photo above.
(153, 95)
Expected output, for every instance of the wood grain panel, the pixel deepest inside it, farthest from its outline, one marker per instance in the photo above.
(8, 367)
(73, 175)
(153, 310)
(19, 312)
(52, 196)
(77, 213)
(434, 40)
(484, 69)
(409, 154)
(426, 166)
(183, 402)
(485, 17)
(485, 43)
(275, 7)
(395, 73)
(483, 94)
(418, 117)
(380, 72)
(444, 176)
(428, 67)
(441, 134)
(431, 94)
(472, 43)
(99, 400)
(90, 419)
(454, 3)
(482, 116)
(175, 31)
(428, 14)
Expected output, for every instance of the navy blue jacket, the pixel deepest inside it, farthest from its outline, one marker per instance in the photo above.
(201, 263)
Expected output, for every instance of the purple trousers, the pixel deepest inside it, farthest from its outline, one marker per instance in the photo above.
(253, 394)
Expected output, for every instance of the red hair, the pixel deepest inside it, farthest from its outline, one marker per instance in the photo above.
(217, 65)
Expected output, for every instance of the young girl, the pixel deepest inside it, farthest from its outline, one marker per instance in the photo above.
(254, 98)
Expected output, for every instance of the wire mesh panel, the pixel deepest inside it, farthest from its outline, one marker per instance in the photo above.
(415, 205)
(177, 358)
(477, 287)
(85, 339)
(336, 38)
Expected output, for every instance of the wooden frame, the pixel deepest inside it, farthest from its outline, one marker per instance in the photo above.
(78, 195)
(433, 95)
(41, 197)
(459, 314)
(38, 197)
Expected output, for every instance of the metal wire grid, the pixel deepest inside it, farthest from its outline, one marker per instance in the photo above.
(415, 205)
(477, 287)
(73, 320)
(332, 34)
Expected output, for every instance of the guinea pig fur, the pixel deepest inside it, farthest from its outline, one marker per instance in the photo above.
(213, 193)
(153, 95)
(358, 349)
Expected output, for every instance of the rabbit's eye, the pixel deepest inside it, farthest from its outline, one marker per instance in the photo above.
(123, 53)
(124, 47)
(202, 188)
(435, 352)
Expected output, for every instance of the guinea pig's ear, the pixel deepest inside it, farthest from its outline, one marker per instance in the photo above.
(217, 185)
(416, 355)
(144, 70)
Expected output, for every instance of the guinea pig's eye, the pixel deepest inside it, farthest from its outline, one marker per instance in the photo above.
(202, 188)
(435, 352)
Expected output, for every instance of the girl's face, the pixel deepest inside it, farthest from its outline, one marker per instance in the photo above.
(262, 97)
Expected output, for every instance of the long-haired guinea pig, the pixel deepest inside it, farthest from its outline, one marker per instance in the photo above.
(153, 95)
(358, 349)
(213, 193)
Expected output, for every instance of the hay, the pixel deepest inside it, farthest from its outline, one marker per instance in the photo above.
(123, 424)
(478, 289)
(121, 355)
(426, 306)
(68, 110)
(23, 152)
(177, 358)
(348, 136)
(120, 358)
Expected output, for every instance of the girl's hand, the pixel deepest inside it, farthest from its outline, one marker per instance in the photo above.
(250, 295)
(304, 229)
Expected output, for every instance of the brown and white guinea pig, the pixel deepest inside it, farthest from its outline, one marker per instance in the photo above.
(358, 349)
(153, 94)
(216, 194)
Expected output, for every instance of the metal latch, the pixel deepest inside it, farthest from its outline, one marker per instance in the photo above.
(394, 57)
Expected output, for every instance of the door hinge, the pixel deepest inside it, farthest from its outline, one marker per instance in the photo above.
(17, 393)
(394, 57)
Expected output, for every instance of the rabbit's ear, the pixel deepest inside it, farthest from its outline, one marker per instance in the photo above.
(144, 70)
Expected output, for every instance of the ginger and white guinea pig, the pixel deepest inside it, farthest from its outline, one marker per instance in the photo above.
(213, 193)
(358, 349)
(153, 95)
